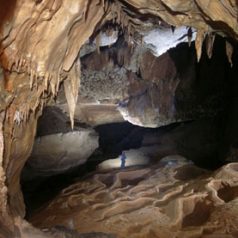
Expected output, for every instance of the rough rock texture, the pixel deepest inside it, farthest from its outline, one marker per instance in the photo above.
(173, 13)
(173, 198)
(174, 88)
(150, 91)
(40, 41)
(14, 152)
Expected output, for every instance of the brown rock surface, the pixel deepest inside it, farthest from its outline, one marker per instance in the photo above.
(123, 83)
(40, 41)
(173, 87)
(171, 199)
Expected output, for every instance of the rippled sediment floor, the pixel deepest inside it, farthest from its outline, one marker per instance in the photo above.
(171, 199)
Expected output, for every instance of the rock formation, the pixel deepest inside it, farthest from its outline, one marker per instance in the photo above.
(75, 46)
(56, 153)
(172, 199)
(57, 148)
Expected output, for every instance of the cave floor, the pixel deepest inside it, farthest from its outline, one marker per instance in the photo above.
(172, 198)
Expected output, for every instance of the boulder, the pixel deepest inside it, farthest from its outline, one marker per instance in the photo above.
(57, 153)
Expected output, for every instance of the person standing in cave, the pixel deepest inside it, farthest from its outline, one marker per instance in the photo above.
(123, 160)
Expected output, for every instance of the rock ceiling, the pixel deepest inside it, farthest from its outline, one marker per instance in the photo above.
(45, 44)
(39, 49)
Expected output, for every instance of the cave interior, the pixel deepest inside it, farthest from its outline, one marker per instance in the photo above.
(118, 119)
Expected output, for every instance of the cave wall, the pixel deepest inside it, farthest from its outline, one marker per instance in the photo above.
(153, 91)
(14, 154)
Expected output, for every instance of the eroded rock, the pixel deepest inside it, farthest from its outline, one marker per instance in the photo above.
(40, 46)
(130, 83)
(57, 153)
(163, 200)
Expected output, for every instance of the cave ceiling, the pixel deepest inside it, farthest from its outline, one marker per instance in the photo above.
(41, 40)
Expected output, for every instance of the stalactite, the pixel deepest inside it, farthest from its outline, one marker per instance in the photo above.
(199, 43)
(71, 87)
(98, 41)
(209, 44)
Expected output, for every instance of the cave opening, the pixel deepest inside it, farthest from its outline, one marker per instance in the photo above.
(169, 105)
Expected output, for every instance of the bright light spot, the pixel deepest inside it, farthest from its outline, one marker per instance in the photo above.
(106, 40)
(161, 40)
